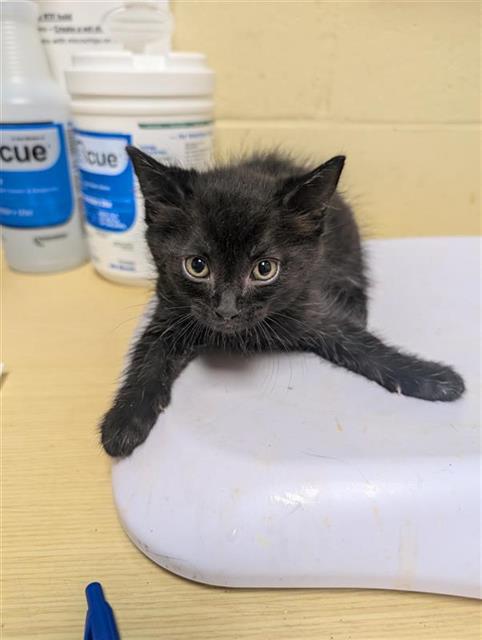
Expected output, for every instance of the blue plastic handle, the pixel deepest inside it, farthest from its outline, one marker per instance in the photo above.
(100, 622)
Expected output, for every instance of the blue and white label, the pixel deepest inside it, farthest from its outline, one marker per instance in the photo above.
(107, 180)
(35, 182)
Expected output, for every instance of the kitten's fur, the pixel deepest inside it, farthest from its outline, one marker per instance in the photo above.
(263, 207)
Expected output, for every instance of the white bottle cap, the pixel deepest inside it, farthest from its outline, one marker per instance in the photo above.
(123, 73)
(141, 26)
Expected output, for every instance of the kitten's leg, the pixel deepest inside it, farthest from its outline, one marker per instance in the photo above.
(358, 350)
(144, 393)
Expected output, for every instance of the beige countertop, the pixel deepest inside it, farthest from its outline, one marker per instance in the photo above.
(63, 340)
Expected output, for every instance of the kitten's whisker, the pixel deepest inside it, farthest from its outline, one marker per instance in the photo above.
(118, 326)
(186, 331)
(284, 342)
(266, 335)
(134, 306)
(308, 335)
(256, 336)
(178, 321)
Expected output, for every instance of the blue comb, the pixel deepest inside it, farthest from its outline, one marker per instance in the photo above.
(100, 622)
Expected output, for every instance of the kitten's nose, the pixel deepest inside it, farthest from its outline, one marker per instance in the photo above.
(227, 309)
(226, 316)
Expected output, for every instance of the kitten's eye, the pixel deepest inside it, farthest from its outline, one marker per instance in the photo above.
(196, 267)
(265, 270)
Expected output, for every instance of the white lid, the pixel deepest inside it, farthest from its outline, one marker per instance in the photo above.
(124, 73)
(141, 27)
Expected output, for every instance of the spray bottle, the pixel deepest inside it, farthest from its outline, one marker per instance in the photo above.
(38, 211)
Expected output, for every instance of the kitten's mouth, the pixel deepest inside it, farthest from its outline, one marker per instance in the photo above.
(228, 326)
(242, 323)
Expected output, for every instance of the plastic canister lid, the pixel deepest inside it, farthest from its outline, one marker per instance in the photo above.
(141, 27)
(124, 73)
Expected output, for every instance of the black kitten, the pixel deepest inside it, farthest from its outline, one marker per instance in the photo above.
(256, 256)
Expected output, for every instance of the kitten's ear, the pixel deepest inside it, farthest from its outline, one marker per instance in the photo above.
(310, 193)
(161, 185)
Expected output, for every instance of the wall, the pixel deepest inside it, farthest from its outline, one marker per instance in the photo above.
(393, 85)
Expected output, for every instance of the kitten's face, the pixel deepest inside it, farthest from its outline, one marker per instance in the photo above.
(227, 261)
(230, 293)
(231, 297)
(228, 248)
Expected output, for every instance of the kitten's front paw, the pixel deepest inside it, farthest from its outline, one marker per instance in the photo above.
(430, 381)
(124, 428)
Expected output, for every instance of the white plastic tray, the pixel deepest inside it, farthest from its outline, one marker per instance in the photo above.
(284, 471)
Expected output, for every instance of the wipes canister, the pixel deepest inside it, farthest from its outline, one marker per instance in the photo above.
(162, 104)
